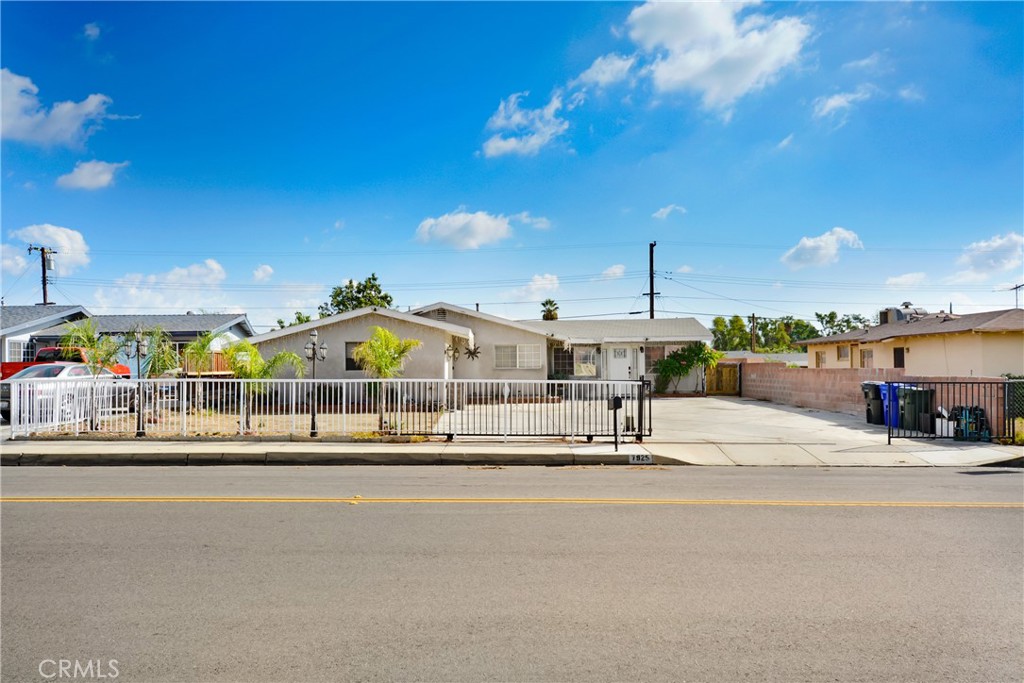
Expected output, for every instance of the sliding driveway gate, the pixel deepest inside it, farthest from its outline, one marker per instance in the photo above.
(405, 407)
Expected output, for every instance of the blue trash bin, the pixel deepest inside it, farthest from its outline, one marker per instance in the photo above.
(890, 404)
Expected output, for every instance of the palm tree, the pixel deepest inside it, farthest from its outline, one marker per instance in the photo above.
(245, 362)
(98, 351)
(382, 356)
(549, 309)
(198, 357)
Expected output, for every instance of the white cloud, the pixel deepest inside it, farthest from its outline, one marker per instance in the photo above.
(606, 70)
(785, 142)
(539, 222)
(464, 230)
(684, 269)
(188, 288)
(24, 118)
(711, 49)
(524, 131)
(981, 260)
(613, 272)
(665, 211)
(906, 280)
(911, 93)
(262, 273)
(539, 286)
(339, 224)
(91, 31)
(72, 250)
(838, 105)
(91, 175)
(821, 250)
(872, 62)
(14, 262)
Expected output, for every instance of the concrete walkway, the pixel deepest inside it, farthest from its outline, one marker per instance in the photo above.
(687, 431)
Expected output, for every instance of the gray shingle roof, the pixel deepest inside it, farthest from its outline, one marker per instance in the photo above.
(624, 329)
(181, 325)
(1010, 320)
(18, 316)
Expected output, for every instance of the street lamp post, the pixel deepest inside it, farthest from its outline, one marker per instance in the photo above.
(138, 347)
(313, 354)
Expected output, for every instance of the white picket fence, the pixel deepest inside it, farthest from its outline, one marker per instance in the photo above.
(271, 408)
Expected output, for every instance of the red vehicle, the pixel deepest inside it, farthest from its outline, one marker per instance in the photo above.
(56, 354)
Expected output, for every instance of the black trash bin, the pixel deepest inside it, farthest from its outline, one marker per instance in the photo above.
(873, 402)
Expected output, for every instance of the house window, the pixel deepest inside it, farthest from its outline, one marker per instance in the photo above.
(585, 363)
(898, 360)
(517, 356)
(843, 352)
(350, 362)
(867, 358)
(819, 359)
(20, 351)
(653, 355)
(562, 362)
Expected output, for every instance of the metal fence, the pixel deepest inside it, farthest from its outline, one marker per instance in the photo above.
(269, 408)
(964, 411)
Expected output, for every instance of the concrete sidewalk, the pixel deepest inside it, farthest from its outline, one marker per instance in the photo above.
(687, 431)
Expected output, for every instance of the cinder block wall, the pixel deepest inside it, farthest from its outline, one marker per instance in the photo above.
(838, 390)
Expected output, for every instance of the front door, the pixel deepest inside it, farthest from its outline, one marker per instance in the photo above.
(620, 362)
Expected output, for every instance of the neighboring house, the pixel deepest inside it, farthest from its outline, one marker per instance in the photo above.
(342, 332)
(624, 348)
(19, 325)
(182, 328)
(941, 344)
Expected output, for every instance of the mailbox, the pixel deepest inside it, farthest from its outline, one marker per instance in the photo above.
(615, 403)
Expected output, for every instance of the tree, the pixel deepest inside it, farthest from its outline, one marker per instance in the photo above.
(161, 354)
(383, 354)
(300, 318)
(832, 323)
(245, 362)
(549, 309)
(772, 335)
(100, 351)
(681, 362)
(730, 336)
(353, 295)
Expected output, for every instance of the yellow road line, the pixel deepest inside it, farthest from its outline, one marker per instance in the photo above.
(509, 501)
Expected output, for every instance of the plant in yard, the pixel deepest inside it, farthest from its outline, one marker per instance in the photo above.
(681, 362)
(198, 357)
(161, 354)
(99, 351)
(382, 357)
(245, 362)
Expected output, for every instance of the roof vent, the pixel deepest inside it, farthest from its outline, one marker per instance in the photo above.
(439, 314)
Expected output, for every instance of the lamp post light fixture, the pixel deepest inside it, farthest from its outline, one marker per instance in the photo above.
(313, 354)
(138, 346)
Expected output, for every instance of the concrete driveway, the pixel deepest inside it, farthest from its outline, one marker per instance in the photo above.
(719, 430)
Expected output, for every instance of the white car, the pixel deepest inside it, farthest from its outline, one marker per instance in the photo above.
(64, 401)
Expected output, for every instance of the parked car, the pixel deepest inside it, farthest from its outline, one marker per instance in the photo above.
(63, 401)
(57, 354)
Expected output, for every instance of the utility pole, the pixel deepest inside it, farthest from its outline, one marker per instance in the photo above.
(651, 292)
(45, 264)
(1016, 294)
(753, 333)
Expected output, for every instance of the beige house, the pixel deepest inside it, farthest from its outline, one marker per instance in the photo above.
(459, 343)
(986, 344)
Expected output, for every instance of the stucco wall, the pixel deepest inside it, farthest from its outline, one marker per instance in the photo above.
(486, 335)
(1002, 353)
(425, 362)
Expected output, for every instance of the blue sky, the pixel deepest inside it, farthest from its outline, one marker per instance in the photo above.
(788, 158)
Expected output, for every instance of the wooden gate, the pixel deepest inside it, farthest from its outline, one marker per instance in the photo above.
(724, 380)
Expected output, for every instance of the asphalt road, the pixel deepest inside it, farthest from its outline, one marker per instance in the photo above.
(750, 574)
